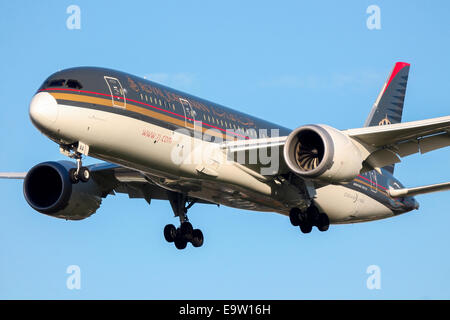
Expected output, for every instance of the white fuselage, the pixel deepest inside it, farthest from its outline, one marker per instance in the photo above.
(179, 162)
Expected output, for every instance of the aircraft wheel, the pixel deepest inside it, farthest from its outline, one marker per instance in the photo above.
(197, 238)
(186, 230)
(324, 222)
(294, 216)
(73, 176)
(306, 227)
(312, 214)
(170, 233)
(84, 174)
(180, 242)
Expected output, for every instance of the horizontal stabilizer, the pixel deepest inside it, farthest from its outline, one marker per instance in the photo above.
(397, 193)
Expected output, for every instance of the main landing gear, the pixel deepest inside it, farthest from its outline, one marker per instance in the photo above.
(185, 233)
(308, 219)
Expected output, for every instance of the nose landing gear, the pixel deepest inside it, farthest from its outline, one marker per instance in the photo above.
(79, 173)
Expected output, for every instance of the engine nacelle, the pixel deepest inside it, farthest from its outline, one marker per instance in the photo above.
(322, 152)
(49, 190)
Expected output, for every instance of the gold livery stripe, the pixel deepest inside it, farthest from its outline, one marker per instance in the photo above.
(134, 108)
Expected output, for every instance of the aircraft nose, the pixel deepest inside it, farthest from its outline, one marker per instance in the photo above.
(43, 110)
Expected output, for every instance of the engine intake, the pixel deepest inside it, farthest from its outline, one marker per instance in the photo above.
(47, 189)
(322, 152)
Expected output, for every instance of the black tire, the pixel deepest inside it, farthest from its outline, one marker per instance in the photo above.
(84, 174)
(73, 176)
(197, 238)
(294, 216)
(170, 233)
(306, 227)
(303, 217)
(180, 243)
(324, 222)
(186, 230)
(312, 214)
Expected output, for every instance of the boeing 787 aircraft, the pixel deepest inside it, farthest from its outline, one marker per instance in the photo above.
(160, 143)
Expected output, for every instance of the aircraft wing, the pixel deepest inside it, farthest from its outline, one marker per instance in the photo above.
(406, 138)
(12, 175)
(113, 179)
(398, 193)
(380, 145)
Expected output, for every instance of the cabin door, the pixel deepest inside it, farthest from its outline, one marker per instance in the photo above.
(117, 92)
(189, 114)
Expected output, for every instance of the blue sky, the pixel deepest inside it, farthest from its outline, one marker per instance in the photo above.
(291, 62)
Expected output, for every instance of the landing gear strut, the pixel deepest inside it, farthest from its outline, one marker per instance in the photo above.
(308, 219)
(79, 173)
(185, 233)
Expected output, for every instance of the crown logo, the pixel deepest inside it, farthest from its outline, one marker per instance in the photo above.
(384, 121)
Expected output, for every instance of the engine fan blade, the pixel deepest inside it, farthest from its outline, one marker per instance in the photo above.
(307, 156)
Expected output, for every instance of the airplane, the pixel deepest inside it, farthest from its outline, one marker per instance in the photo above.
(157, 143)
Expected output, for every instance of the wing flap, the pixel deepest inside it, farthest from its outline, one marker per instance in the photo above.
(434, 142)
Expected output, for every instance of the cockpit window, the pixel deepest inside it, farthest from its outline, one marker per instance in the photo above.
(74, 84)
(56, 83)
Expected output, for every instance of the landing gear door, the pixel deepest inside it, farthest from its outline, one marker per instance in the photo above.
(117, 92)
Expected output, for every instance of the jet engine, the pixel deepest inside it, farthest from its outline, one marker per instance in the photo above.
(323, 153)
(48, 189)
